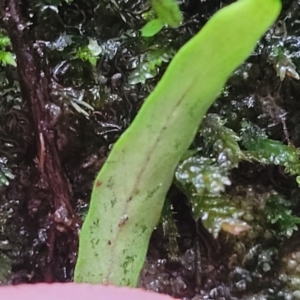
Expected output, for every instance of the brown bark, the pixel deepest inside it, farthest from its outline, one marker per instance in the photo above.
(35, 83)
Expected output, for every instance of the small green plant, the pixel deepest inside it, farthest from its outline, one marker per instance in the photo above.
(167, 13)
(6, 57)
(149, 65)
(130, 190)
(278, 212)
(204, 175)
(266, 151)
(5, 172)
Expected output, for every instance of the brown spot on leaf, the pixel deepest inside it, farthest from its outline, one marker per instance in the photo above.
(98, 183)
(123, 220)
